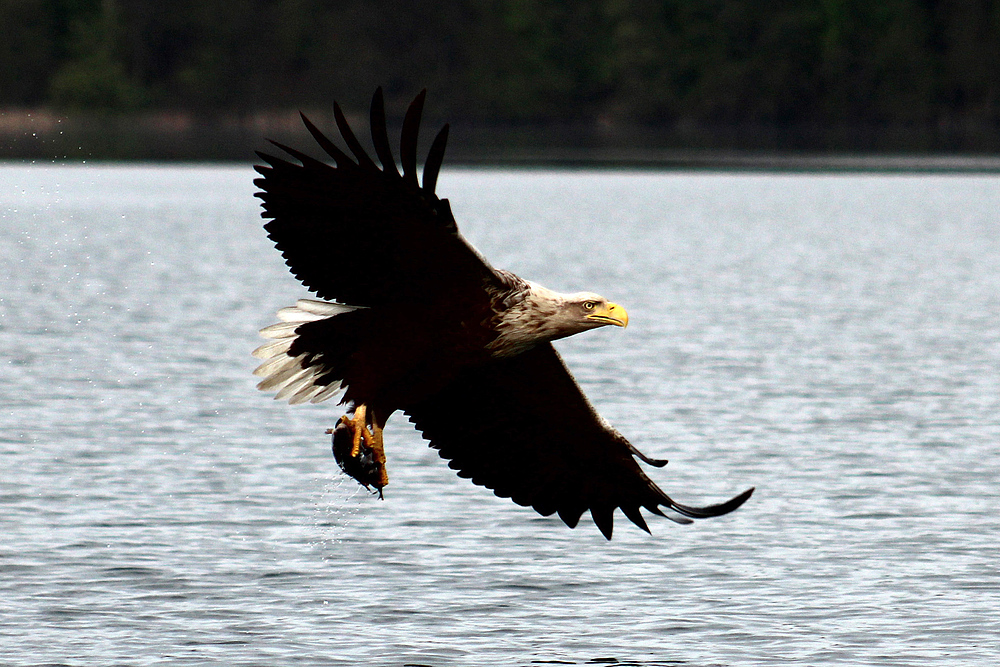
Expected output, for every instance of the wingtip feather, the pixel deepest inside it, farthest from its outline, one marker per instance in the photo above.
(605, 520)
(380, 137)
(570, 515)
(633, 514)
(712, 510)
(408, 139)
(435, 157)
(352, 141)
(339, 156)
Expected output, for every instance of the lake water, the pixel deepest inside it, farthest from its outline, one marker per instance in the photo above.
(833, 340)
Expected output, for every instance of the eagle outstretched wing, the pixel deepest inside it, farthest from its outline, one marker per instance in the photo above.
(522, 427)
(364, 235)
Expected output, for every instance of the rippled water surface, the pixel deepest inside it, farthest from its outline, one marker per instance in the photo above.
(832, 340)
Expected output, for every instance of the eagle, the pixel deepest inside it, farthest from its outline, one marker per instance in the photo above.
(410, 317)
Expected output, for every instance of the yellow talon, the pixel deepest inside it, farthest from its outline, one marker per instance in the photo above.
(363, 429)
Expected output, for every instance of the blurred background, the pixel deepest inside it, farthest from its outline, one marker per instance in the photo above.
(530, 80)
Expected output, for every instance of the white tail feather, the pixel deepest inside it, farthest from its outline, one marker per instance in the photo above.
(286, 374)
(305, 394)
(294, 383)
(297, 315)
(276, 365)
(331, 389)
(268, 350)
(324, 308)
(280, 330)
(288, 368)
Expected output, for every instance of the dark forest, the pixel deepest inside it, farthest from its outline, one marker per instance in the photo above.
(913, 75)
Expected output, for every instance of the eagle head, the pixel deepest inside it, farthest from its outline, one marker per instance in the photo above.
(542, 315)
(593, 310)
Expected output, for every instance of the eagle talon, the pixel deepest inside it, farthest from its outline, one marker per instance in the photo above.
(359, 428)
(358, 449)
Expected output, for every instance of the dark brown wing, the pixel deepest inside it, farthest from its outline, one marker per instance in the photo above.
(523, 428)
(367, 236)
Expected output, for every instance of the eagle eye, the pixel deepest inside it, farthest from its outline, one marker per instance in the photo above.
(589, 305)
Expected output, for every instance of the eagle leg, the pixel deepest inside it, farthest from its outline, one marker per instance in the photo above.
(378, 449)
(359, 429)
(358, 448)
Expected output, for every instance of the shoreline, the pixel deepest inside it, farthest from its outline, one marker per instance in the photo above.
(180, 136)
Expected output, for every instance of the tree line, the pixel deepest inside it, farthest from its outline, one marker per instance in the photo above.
(927, 69)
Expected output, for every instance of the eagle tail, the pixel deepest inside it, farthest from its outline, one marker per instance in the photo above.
(298, 372)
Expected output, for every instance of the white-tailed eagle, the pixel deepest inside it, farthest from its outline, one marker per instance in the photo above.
(413, 318)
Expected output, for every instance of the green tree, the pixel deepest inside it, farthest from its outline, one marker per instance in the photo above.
(28, 50)
(94, 76)
(876, 63)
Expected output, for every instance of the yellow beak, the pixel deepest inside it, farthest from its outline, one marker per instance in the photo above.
(611, 313)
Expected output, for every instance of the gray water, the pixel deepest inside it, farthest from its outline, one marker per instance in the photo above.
(832, 340)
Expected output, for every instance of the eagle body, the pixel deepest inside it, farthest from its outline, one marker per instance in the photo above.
(411, 318)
